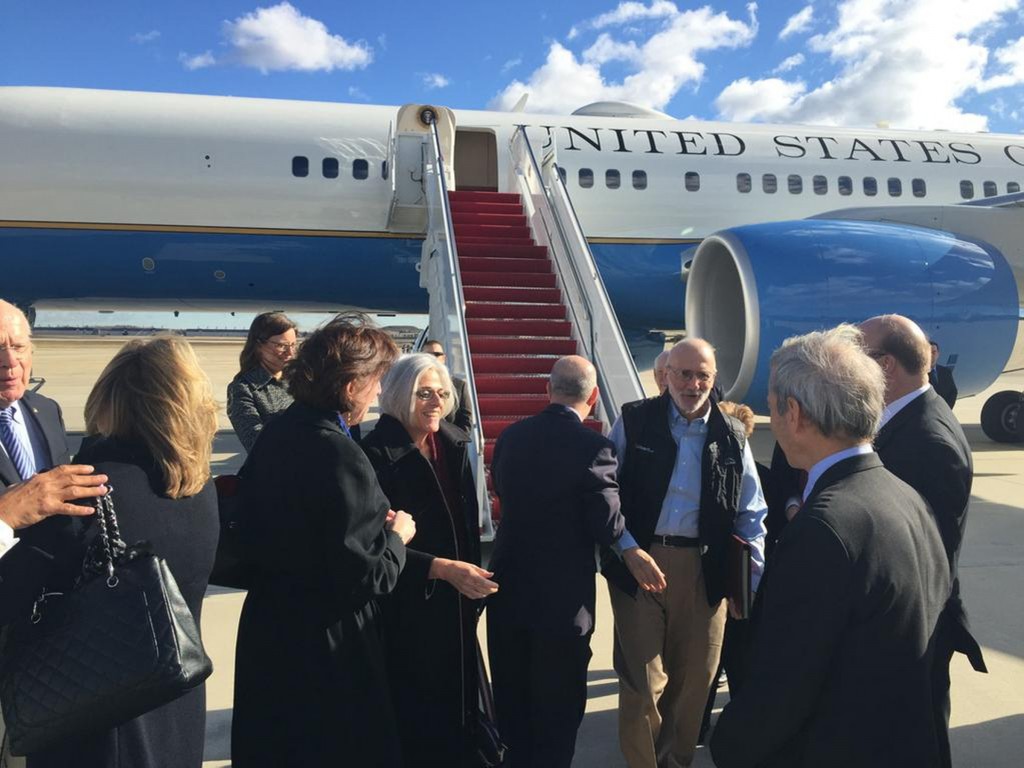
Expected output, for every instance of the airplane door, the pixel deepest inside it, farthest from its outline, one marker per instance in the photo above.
(406, 154)
(476, 160)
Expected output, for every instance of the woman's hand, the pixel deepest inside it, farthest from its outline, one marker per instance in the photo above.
(402, 523)
(471, 580)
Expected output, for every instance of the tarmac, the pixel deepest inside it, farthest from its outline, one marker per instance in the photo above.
(987, 725)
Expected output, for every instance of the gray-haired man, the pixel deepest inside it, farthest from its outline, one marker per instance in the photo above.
(841, 655)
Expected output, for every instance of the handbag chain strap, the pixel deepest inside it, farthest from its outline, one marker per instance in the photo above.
(110, 536)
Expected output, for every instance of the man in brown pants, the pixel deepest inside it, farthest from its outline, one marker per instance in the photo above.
(688, 483)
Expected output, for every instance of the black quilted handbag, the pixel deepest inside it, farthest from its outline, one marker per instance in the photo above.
(121, 643)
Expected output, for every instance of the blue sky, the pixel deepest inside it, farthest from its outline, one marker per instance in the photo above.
(953, 64)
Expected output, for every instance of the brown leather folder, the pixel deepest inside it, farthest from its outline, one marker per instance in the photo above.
(739, 579)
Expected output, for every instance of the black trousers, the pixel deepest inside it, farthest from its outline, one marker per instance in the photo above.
(940, 692)
(540, 689)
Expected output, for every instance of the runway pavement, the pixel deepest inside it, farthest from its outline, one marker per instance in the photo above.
(988, 710)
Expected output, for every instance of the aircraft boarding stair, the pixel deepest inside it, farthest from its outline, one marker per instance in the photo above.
(513, 287)
(515, 315)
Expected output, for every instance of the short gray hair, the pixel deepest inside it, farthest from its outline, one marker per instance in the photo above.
(398, 387)
(572, 381)
(840, 388)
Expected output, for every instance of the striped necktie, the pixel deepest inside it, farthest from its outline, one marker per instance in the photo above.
(20, 454)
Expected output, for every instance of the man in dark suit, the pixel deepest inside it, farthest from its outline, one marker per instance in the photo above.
(941, 377)
(461, 415)
(559, 500)
(841, 656)
(922, 443)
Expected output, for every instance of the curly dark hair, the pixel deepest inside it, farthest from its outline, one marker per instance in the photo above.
(348, 348)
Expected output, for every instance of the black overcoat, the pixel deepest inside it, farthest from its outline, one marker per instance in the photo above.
(310, 684)
(430, 629)
(182, 531)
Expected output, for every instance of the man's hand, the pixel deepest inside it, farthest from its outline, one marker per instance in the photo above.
(646, 572)
(51, 493)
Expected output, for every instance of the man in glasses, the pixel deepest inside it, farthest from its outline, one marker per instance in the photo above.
(688, 483)
(460, 415)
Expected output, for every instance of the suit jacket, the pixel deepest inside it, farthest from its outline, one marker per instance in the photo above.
(460, 416)
(841, 658)
(924, 445)
(941, 378)
(559, 500)
(24, 568)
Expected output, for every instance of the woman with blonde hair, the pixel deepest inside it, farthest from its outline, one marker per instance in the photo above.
(151, 420)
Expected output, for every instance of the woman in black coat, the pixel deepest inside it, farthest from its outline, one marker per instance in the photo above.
(310, 685)
(152, 418)
(430, 619)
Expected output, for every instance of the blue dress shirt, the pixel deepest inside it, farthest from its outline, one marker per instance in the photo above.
(680, 511)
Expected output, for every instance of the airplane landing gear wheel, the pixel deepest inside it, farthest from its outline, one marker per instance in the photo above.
(1001, 417)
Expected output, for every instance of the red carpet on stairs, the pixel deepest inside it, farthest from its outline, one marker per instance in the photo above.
(517, 322)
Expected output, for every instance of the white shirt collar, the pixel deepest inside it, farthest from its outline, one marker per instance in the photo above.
(815, 472)
(898, 405)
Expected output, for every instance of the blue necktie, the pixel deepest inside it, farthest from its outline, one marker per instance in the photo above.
(21, 454)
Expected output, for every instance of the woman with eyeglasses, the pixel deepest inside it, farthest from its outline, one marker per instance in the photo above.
(259, 391)
(422, 464)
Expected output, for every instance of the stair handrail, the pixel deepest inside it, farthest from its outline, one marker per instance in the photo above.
(599, 330)
(455, 335)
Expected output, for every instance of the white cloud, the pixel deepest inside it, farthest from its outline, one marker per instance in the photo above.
(903, 64)
(354, 92)
(1011, 57)
(798, 22)
(197, 61)
(434, 80)
(511, 64)
(281, 38)
(141, 38)
(791, 62)
(659, 65)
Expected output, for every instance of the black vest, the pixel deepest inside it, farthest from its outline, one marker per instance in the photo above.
(646, 470)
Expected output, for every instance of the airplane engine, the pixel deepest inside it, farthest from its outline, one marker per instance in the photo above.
(751, 287)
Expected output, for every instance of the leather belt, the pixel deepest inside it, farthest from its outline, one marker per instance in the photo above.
(676, 541)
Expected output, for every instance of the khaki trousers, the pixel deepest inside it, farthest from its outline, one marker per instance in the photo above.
(666, 654)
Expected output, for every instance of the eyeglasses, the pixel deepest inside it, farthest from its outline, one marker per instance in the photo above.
(283, 346)
(17, 350)
(427, 395)
(701, 377)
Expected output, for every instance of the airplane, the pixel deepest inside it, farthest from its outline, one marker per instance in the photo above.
(744, 234)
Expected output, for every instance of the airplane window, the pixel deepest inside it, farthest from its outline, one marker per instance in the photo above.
(1012, 187)
(639, 179)
(845, 184)
(384, 169)
(820, 185)
(918, 187)
(330, 167)
(692, 181)
(563, 174)
(870, 186)
(990, 189)
(612, 179)
(586, 178)
(300, 166)
(743, 182)
(966, 189)
(796, 184)
(769, 183)
(895, 187)
(360, 169)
